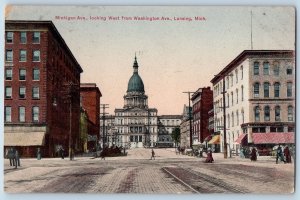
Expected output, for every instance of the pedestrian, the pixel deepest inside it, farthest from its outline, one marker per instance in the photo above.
(38, 154)
(209, 158)
(242, 155)
(103, 153)
(253, 156)
(279, 154)
(152, 155)
(10, 155)
(287, 155)
(62, 153)
(17, 159)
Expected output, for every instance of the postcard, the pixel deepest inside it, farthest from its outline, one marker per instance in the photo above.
(149, 99)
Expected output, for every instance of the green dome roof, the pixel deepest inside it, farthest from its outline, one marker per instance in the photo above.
(135, 84)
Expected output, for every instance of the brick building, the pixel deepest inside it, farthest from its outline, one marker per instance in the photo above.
(202, 103)
(42, 97)
(90, 102)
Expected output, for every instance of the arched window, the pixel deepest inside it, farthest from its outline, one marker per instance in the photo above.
(228, 119)
(237, 96)
(277, 113)
(232, 119)
(256, 68)
(290, 113)
(242, 72)
(266, 68)
(266, 89)
(276, 69)
(267, 113)
(257, 113)
(242, 93)
(237, 118)
(232, 98)
(276, 89)
(236, 76)
(256, 89)
(243, 116)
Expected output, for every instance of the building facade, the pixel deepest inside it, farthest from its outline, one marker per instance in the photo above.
(202, 103)
(259, 98)
(90, 101)
(42, 100)
(185, 127)
(136, 123)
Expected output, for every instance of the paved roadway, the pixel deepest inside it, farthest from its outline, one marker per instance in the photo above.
(168, 173)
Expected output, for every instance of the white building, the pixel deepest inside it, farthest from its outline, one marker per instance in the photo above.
(259, 98)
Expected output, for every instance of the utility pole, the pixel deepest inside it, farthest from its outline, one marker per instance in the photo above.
(224, 117)
(103, 121)
(190, 118)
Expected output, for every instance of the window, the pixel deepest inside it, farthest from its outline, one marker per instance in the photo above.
(243, 116)
(227, 100)
(23, 37)
(277, 113)
(276, 69)
(232, 98)
(289, 89)
(242, 88)
(9, 37)
(231, 79)
(256, 68)
(35, 113)
(22, 92)
(232, 119)
(289, 71)
(290, 113)
(36, 74)
(36, 37)
(228, 117)
(267, 113)
(257, 113)
(36, 94)
(7, 114)
(8, 92)
(22, 74)
(236, 76)
(266, 68)
(9, 55)
(8, 74)
(227, 82)
(266, 89)
(242, 72)
(276, 89)
(36, 55)
(237, 96)
(21, 114)
(256, 89)
(22, 55)
(237, 118)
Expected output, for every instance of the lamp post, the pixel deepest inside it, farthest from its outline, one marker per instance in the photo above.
(224, 117)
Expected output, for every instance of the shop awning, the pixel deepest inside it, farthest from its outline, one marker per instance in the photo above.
(240, 139)
(274, 138)
(24, 139)
(207, 138)
(215, 140)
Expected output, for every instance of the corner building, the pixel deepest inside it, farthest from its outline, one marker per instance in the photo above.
(259, 100)
(39, 67)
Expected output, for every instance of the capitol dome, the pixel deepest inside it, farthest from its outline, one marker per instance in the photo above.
(135, 83)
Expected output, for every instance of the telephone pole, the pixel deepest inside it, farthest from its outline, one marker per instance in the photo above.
(190, 118)
(104, 106)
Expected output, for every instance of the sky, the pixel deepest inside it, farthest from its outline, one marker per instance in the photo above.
(174, 56)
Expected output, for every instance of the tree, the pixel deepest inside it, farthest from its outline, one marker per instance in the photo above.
(176, 135)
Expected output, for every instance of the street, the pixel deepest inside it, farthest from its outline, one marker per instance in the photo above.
(168, 173)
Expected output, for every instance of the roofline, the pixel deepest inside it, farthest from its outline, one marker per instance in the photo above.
(86, 86)
(242, 56)
(53, 28)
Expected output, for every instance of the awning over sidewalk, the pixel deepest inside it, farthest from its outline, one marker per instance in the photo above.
(274, 138)
(215, 140)
(208, 138)
(241, 139)
(24, 139)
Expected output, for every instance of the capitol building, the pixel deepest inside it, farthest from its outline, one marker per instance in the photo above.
(137, 125)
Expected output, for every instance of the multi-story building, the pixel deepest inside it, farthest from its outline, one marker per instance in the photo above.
(90, 102)
(259, 98)
(136, 123)
(109, 132)
(42, 99)
(185, 127)
(202, 102)
(166, 125)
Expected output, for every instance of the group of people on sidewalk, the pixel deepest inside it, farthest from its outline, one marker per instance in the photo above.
(14, 157)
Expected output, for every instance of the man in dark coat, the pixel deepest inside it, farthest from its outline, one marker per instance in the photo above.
(209, 158)
(253, 156)
(287, 154)
(279, 154)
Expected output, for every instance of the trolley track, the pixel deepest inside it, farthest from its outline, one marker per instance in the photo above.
(199, 182)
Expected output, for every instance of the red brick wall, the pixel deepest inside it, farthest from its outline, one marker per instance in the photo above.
(205, 106)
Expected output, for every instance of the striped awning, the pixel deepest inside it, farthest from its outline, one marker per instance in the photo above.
(273, 138)
(215, 140)
(241, 138)
(24, 139)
